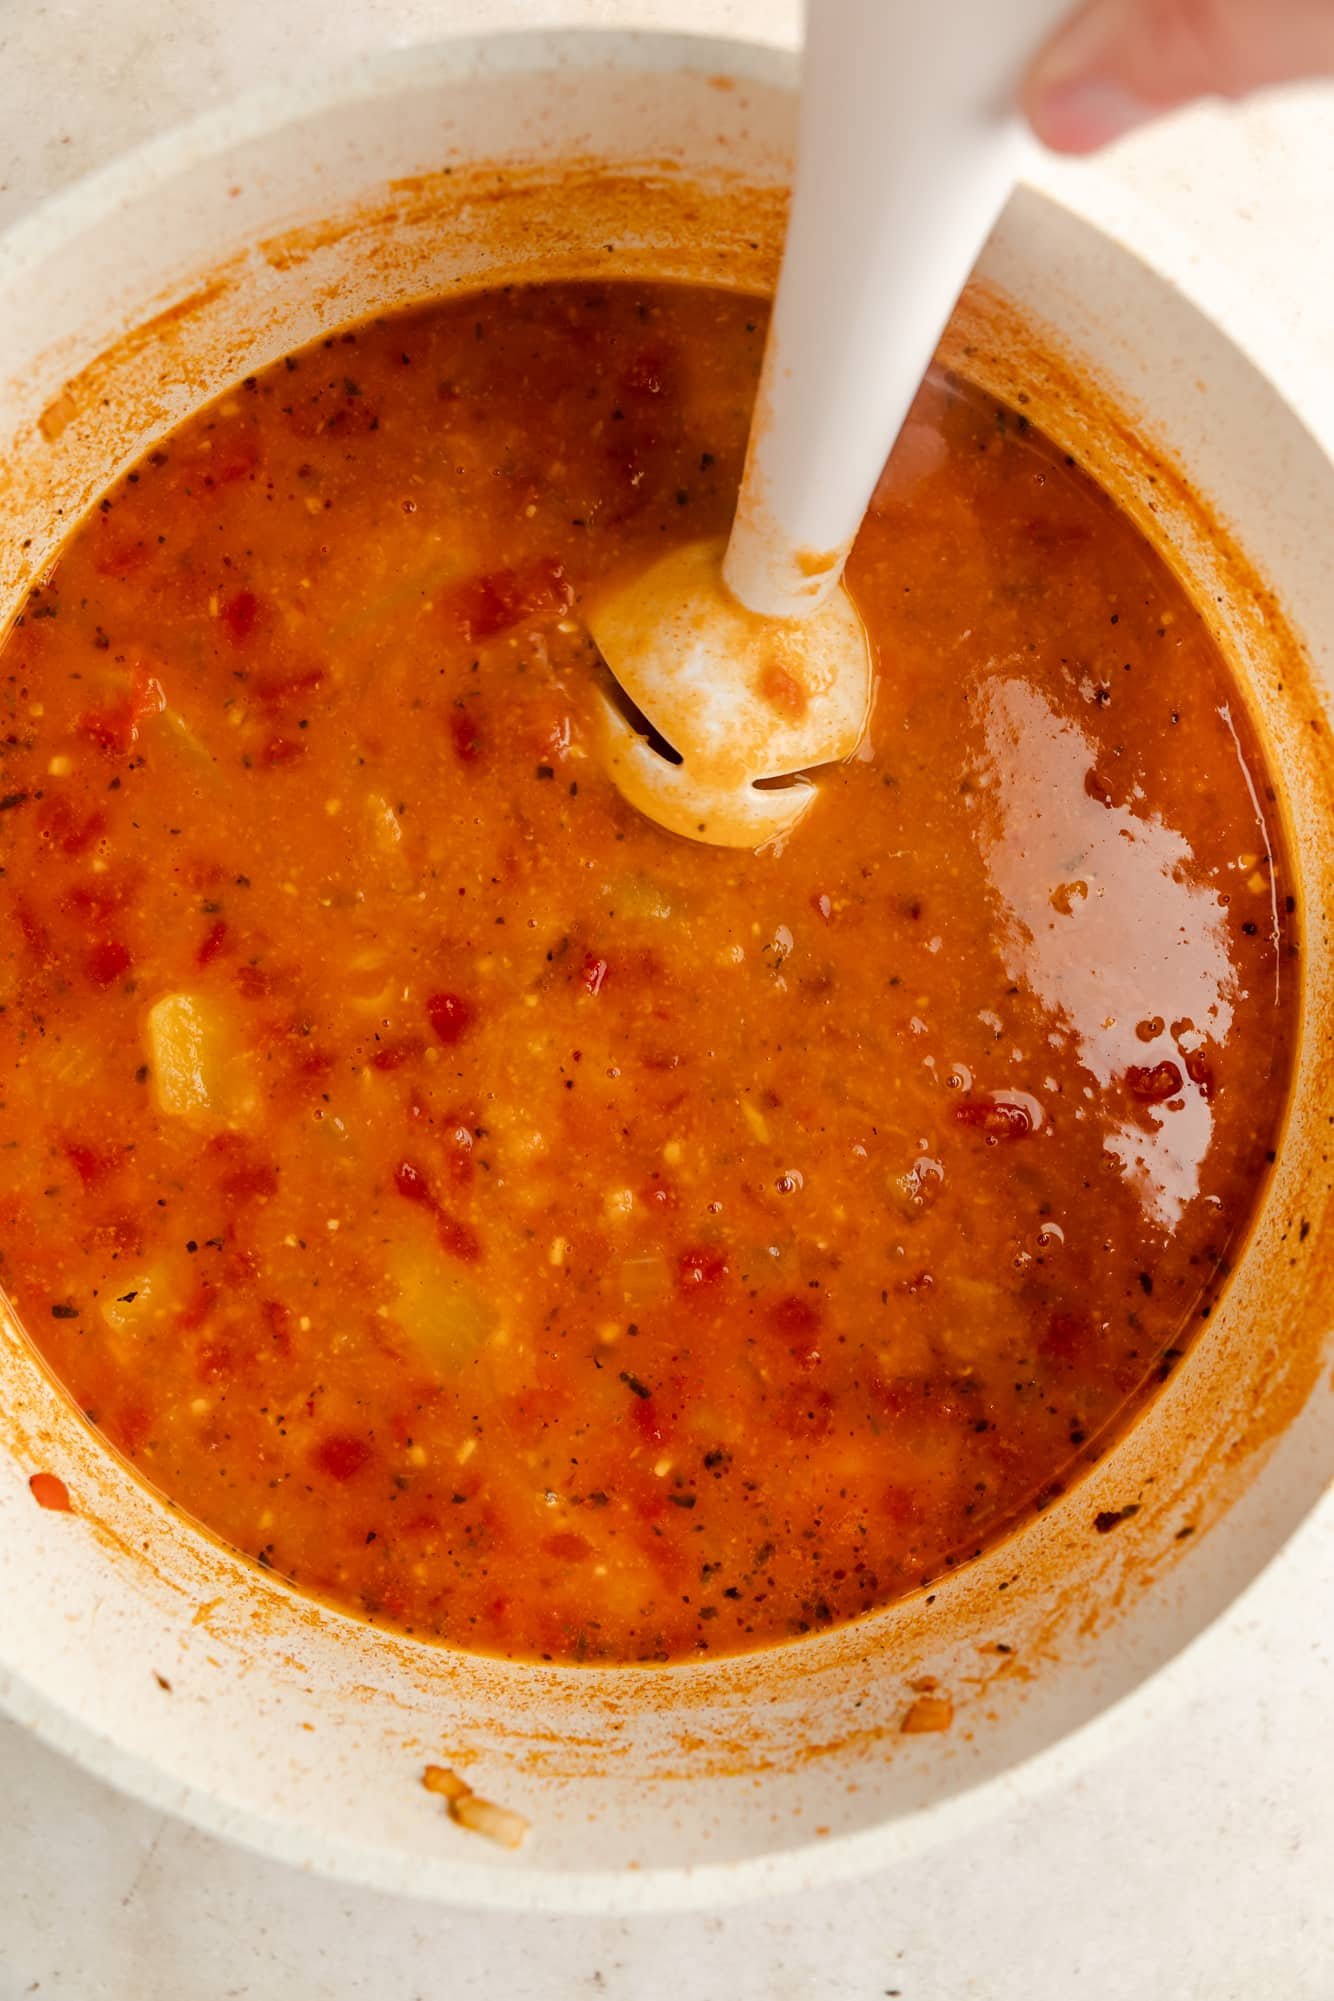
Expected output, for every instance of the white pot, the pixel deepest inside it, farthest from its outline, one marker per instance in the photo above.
(148, 288)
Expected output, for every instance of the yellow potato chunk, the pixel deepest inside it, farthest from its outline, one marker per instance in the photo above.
(447, 1315)
(200, 1071)
(139, 1301)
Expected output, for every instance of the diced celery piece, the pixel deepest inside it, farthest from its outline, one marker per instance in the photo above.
(634, 895)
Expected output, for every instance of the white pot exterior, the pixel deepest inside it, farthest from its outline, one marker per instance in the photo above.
(298, 1730)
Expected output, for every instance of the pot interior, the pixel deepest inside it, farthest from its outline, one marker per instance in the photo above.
(150, 290)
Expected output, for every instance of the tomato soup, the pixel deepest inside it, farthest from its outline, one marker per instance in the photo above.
(523, 1227)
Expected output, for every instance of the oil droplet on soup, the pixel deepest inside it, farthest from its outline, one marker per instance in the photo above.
(513, 1223)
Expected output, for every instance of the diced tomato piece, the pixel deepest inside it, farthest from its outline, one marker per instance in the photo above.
(133, 1424)
(336, 410)
(120, 554)
(566, 1546)
(240, 613)
(1048, 533)
(662, 1061)
(457, 1238)
(411, 1183)
(116, 730)
(119, 1232)
(237, 460)
(665, 1552)
(313, 1065)
(805, 1411)
(49, 1491)
(492, 603)
(282, 687)
(920, 1281)
(146, 693)
(594, 973)
(212, 943)
(643, 974)
(451, 1016)
(393, 1055)
(198, 1307)
(33, 932)
(354, 418)
(795, 1315)
(278, 1320)
(425, 1521)
(107, 961)
(459, 1157)
(240, 1270)
(647, 1420)
(651, 372)
(1154, 1084)
(280, 750)
(71, 832)
(91, 1164)
(1069, 1336)
(699, 1268)
(895, 1394)
(251, 1181)
(531, 1413)
(81, 836)
(256, 982)
(99, 898)
(995, 1118)
(466, 735)
(798, 1319)
(485, 606)
(499, 1613)
(112, 730)
(215, 1362)
(229, 451)
(341, 1454)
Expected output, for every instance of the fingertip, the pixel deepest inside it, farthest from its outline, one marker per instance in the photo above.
(1073, 96)
(1083, 115)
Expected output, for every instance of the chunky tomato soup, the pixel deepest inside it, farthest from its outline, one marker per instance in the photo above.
(524, 1227)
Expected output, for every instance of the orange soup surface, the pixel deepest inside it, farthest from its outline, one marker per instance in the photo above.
(521, 1226)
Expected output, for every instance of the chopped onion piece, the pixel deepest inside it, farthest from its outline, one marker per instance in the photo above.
(497, 1823)
(439, 1779)
(928, 1713)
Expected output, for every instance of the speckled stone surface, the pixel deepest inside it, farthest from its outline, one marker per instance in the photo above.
(1197, 1864)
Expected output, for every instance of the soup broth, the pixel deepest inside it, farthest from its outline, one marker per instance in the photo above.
(518, 1225)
